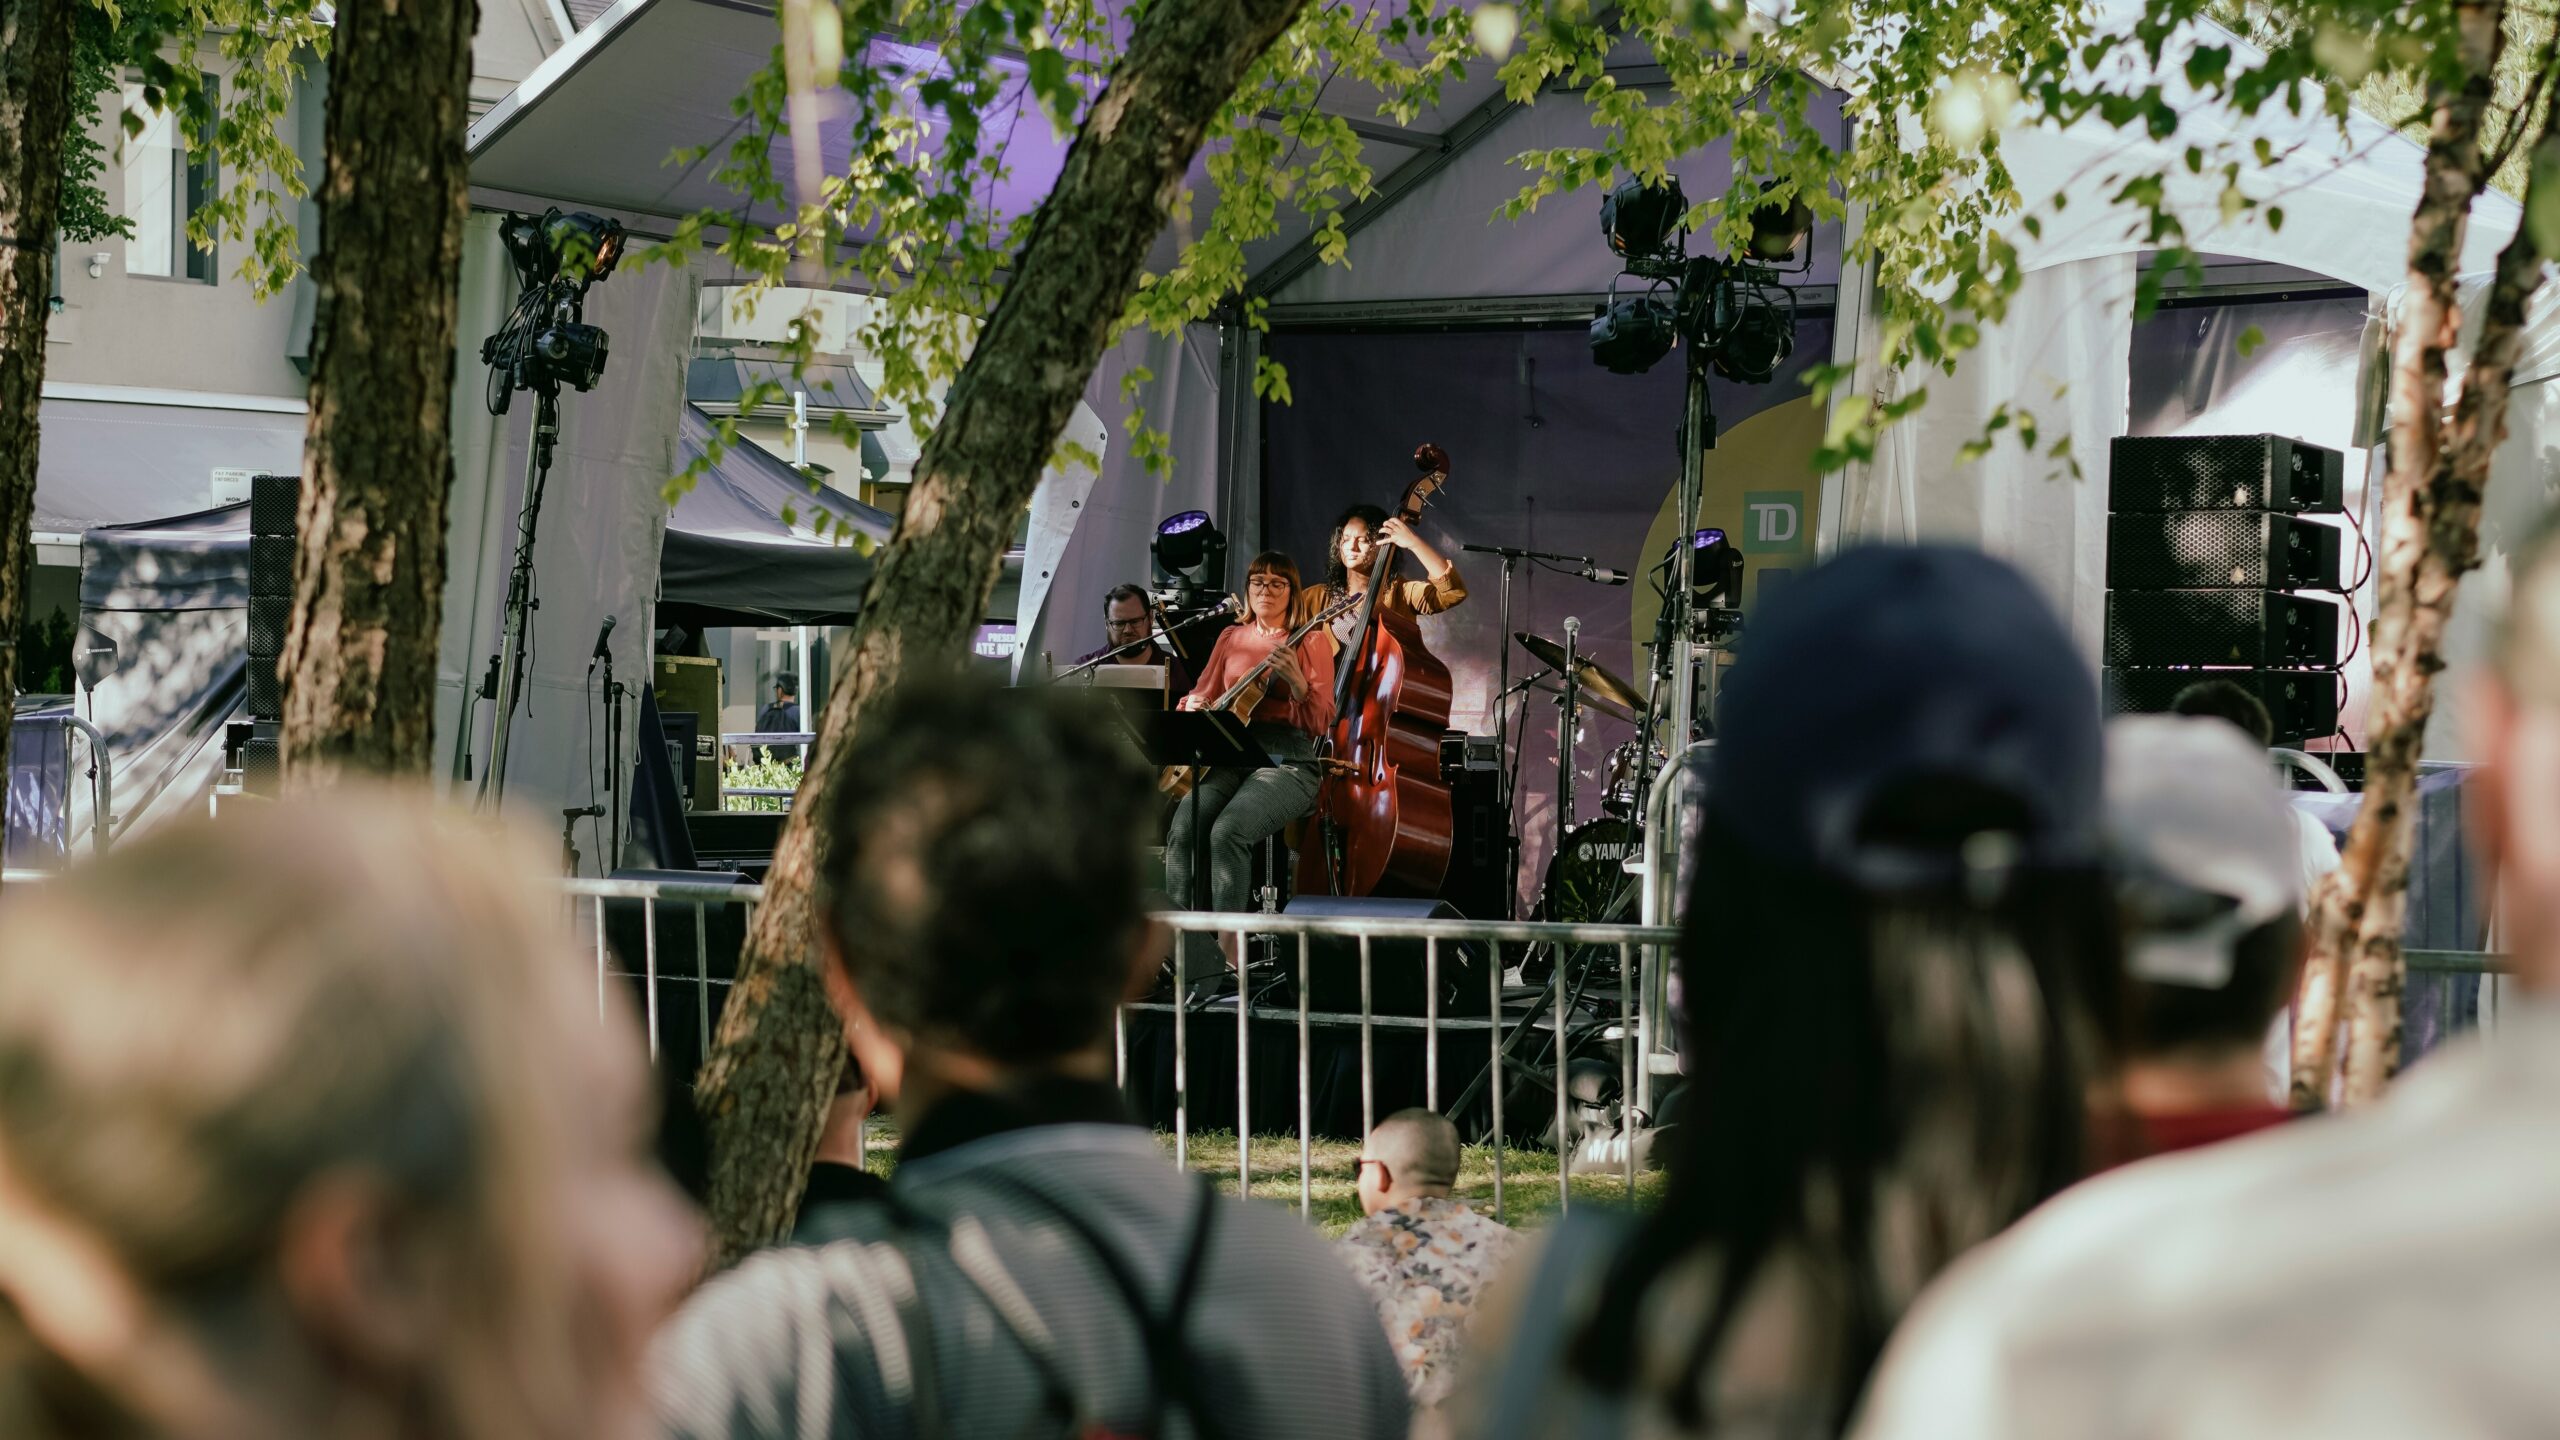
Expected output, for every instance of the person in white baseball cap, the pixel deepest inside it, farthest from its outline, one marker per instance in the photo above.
(2203, 850)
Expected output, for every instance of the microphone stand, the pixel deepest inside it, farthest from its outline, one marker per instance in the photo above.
(1165, 634)
(1087, 667)
(613, 772)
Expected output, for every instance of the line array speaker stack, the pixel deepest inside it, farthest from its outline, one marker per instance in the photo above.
(2206, 553)
(273, 502)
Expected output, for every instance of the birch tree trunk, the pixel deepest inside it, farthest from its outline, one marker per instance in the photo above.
(765, 1087)
(2429, 538)
(35, 115)
(359, 663)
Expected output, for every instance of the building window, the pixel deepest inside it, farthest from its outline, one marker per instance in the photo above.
(165, 182)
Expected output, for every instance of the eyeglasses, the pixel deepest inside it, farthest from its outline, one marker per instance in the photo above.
(1139, 623)
(1360, 1164)
(1268, 582)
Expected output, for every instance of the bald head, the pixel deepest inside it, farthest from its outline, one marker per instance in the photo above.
(1415, 1154)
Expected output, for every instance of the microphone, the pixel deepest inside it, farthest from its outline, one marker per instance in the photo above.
(1605, 575)
(602, 633)
(1230, 607)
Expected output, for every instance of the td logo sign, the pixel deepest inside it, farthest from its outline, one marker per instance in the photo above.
(1773, 522)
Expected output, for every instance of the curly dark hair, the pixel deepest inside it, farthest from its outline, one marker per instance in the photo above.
(1370, 517)
(983, 881)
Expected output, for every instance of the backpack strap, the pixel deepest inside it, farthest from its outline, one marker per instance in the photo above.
(1174, 1377)
(927, 1413)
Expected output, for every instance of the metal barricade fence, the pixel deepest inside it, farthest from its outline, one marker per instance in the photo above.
(1639, 949)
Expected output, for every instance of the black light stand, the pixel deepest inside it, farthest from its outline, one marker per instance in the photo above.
(506, 676)
(544, 344)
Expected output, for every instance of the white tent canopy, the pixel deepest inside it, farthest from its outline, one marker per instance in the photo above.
(596, 124)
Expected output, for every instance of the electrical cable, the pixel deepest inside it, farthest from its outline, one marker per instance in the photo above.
(2364, 547)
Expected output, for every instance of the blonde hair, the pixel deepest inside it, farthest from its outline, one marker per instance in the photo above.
(198, 1026)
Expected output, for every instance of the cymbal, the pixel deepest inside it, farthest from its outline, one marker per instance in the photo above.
(1592, 676)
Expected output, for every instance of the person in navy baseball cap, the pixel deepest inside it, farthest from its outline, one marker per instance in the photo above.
(1897, 959)
(1893, 696)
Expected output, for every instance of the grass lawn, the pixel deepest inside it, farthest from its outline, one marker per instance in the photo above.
(1528, 1176)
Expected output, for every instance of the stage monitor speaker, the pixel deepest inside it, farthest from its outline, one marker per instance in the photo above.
(692, 683)
(2224, 472)
(2303, 704)
(1399, 970)
(274, 500)
(2257, 629)
(2193, 549)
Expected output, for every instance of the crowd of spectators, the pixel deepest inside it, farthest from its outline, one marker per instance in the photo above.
(307, 1126)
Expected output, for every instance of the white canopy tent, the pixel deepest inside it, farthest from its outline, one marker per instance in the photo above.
(595, 125)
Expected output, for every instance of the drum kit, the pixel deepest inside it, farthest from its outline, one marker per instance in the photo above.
(1586, 879)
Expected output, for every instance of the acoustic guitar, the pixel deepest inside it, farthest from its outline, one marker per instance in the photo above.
(1245, 696)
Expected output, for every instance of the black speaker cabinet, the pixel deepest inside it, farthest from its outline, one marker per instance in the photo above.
(1399, 972)
(266, 688)
(2224, 472)
(271, 565)
(2191, 549)
(273, 502)
(267, 616)
(2302, 703)
(2259, 629)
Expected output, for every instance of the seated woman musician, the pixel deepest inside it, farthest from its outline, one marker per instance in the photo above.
(1242, 808)
(1353, 549)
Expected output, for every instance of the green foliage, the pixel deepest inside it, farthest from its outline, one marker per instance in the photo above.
(44, 655)
(100, 47)
(763, 772)
(267, 45)
(1916, 155)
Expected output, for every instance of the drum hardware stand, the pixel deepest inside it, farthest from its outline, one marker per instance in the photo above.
(1564, 731)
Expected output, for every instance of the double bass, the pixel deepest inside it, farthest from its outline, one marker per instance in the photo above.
(1383, 814)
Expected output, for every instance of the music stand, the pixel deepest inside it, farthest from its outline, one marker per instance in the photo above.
(1209, 738)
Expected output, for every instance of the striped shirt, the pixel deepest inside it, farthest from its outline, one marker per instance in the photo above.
(810, 1344)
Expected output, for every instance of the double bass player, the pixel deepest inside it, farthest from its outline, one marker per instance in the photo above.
(1352, 550)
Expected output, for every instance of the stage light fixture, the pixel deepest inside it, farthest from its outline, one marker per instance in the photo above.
(1641, 219)
(1753, 331)
(1190, 555)
(1630, 332)
(1778, 228)
(1715, 574)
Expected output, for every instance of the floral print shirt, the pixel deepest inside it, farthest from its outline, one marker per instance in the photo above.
(1424, 1264)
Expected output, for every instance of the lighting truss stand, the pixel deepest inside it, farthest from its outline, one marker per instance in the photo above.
(1697, 437)
(508, 677)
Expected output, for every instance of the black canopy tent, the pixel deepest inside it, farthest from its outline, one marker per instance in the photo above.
(732, 558)
(164, 604)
